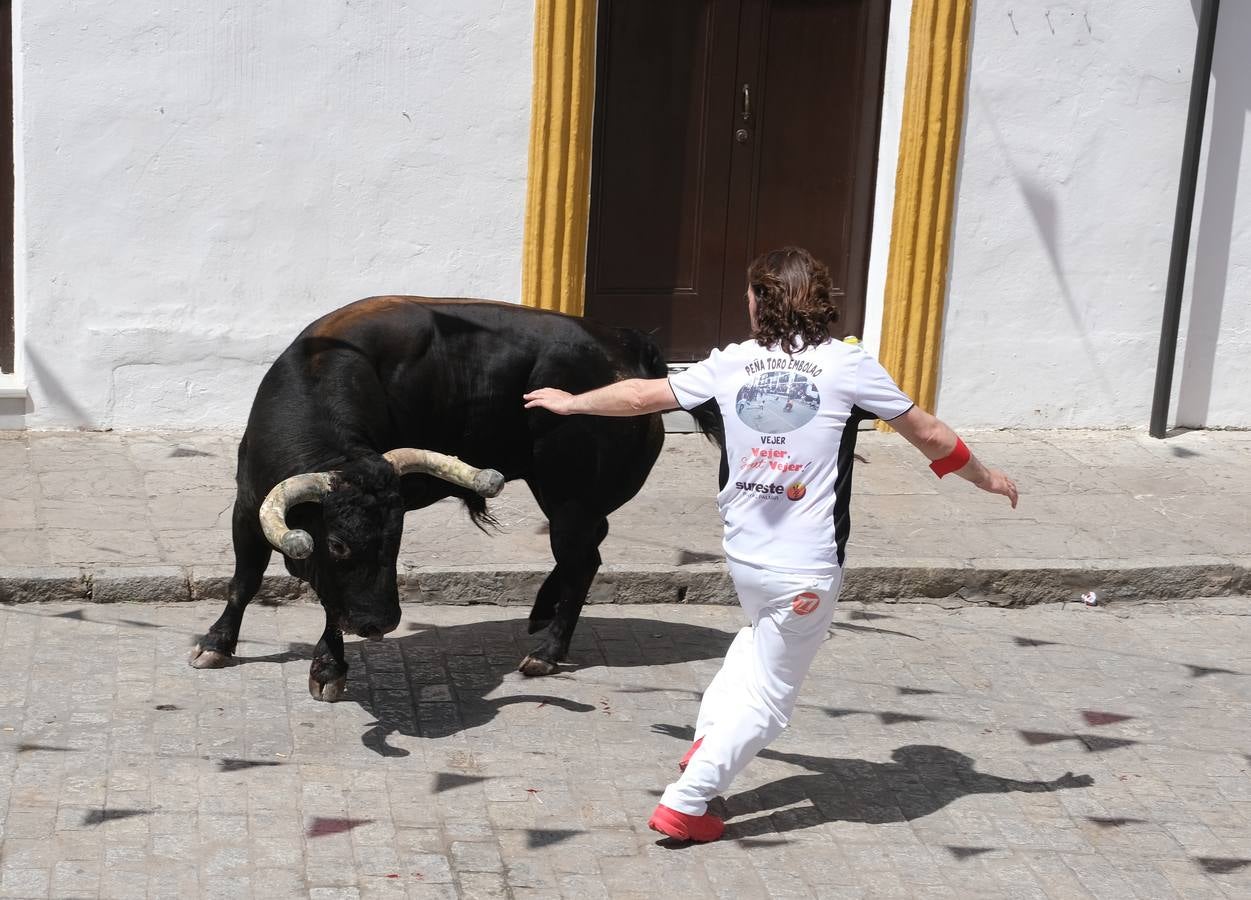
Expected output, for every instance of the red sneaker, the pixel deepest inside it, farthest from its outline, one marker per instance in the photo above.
(689, 753)
(685, 827)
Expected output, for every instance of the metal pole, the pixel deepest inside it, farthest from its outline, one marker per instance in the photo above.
(1185, 213)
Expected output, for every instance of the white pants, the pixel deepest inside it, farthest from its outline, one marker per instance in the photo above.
(750, 700)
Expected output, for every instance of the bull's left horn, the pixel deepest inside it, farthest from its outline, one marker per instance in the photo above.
(486, 482)
(306, 488)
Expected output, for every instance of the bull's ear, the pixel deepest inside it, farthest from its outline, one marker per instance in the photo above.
(337, 548)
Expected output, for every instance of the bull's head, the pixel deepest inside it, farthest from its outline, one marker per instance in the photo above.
(353, 567)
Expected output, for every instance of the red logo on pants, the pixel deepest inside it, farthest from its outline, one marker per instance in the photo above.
(805, 603)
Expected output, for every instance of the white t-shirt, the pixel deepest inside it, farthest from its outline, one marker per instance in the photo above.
(790, 434)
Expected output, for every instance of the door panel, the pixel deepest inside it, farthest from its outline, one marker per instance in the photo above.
(725, 128)
(816, 72)
(657, 231)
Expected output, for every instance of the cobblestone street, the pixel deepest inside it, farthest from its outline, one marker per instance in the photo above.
(1043, 752)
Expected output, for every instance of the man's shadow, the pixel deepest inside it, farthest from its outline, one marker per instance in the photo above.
(434, 681)
(920, 780)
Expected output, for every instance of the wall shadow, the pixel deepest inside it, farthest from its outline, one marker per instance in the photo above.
(1223, 143)
(13, 412)
(57, 394)
(1043, 209)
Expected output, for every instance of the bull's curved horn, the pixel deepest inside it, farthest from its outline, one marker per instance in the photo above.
(486, 482)
(309, 487)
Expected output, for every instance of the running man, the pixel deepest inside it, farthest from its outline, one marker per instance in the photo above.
(785, 507)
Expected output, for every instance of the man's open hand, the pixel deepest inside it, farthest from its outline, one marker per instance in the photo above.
(551, 399)
(996, 482)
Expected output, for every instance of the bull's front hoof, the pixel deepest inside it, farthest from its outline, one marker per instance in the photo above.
(199, 658)
(328, 692)
(534, 667)
(327, 679)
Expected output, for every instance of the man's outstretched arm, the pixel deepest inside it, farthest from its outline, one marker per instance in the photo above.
(938, 442)
(632, 397)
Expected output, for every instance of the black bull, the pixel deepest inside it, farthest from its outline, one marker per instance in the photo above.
(338, 444)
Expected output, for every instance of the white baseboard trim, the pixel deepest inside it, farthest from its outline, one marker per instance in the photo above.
(12, 388)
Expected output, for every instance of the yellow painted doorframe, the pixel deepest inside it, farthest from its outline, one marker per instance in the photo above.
(925, 179)
(558, 189)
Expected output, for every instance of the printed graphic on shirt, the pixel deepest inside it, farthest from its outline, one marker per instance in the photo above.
(787, 498)
(777, 399)
(761, 489)
(772, 460)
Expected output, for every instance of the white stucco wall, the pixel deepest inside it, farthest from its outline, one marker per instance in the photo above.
(1067, 189)
(893, 83)
(194, 185)
(199, 181)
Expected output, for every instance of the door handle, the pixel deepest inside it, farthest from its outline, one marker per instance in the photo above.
(746, 102)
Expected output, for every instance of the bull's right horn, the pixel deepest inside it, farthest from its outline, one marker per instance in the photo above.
(307, 488)
(486, 482)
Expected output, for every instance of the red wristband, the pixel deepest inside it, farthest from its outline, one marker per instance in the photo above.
(954, 461)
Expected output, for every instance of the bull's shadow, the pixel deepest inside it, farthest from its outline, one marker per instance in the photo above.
(920, 780)
(434, 681)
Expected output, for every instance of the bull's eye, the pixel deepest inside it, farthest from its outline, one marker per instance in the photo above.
(338, 549)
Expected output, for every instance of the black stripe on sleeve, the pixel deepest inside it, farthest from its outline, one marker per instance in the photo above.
(892, 418)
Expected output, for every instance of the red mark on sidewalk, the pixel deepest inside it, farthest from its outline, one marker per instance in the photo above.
(1094, 717)
(322, 827)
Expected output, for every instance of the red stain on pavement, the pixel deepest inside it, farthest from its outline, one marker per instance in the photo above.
(322, 827)
(1094, 717)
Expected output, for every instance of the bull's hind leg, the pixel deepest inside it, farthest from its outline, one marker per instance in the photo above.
(252, 554)
(576, 534)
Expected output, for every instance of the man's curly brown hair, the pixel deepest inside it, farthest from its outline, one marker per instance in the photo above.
(796, 304)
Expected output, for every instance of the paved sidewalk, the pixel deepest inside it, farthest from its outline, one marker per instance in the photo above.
(120, 516)
(1051, 752)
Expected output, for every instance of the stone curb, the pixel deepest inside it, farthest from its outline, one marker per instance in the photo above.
(43, 584)
(696, 584)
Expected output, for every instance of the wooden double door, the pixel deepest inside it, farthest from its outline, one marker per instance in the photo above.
(725, 128)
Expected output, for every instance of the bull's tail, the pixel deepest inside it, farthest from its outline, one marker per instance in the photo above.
(476, 506)
(707, 416)
(708, 419)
